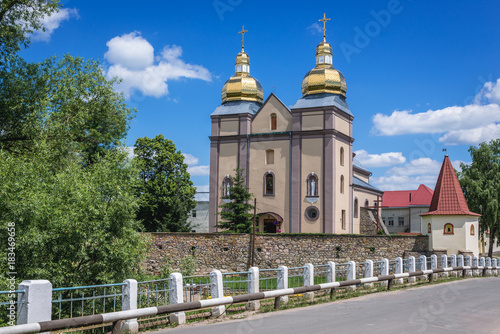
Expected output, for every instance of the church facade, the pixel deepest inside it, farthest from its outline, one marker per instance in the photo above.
(297, 162)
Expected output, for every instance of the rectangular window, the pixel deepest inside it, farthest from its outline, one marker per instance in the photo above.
(390, 221)
(343, 219)
(401, 221)
(269, 157)
(193, 213)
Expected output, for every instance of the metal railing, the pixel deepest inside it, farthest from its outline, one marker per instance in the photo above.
(196, 287)
(235, 283)
(320, 273)
(86, 300)
(268, 279)
(392, 267)
(406, 265)
(360, 270)
(341, 271)
(5, 297)
(295, 277)
(377, 268)
(153, 293)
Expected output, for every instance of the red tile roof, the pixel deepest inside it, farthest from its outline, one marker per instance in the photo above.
(405, 198)
(448, 198)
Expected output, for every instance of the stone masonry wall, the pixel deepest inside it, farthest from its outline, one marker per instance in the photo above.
(366, 225)
(232, 252)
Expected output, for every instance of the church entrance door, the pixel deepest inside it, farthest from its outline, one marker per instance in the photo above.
(269, 226)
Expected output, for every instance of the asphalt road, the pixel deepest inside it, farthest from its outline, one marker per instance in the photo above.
(468, 306)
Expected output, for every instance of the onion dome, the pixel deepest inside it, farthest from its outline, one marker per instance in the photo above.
(324, 78)
(242, 86)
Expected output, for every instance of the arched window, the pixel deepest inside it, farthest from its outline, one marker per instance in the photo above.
(274, 122)
(342, 156)
(342, 184)
(226, 186)
(429, 228)
(367, 203)
(269, 157)
(312, 185)
(342, 219)
(448, 229)
(269, 184)
(356, 207)
(472, 232)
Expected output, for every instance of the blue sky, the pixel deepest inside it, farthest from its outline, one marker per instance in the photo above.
(422, 76)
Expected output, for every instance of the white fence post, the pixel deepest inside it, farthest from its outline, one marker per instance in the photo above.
(475, 263)
(444, 264)
(488, 264)
(453, 263)
(460, 260)
(468, 263)
(217, 291)
(176, 297)
(482, 263)
(36, 300)
(330, 272)
(283, 282)
(423, 266)
(411, 269)
(368, 272)
(434, 264)
(494, 264)
(253, 287)
(129, 302)
(399, 269)
(351, 273)
(308, 276)
(384, 270)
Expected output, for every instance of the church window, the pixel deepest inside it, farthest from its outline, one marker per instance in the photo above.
(367, 203)
(321, 59)
(312, 185)
(448, 229)
(429, 228)
(342, 184)
(269, 157)
(269, 184)
(472, 232)
(342, 220)
(342, 156)
(312, 213)
(226, 186)
(356, 208)
(328, 59)
(238, 68)
(193, 214)
(390, 221)
(274, 122)
(401, 221)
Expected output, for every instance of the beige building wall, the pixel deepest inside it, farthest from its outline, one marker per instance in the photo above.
(280, 202)
(228, 162)
(262, 121)
(342, 125)
(313, 121)
(312, 161)
(229, 126)
(459, 240)
(342, 200)
(361, 176)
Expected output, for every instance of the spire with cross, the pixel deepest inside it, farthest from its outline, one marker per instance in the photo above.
(242, 32)
(324, 19)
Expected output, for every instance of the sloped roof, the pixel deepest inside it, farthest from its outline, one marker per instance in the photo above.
(323, 100)
(357, 182)
(448, 198)
(405, 198)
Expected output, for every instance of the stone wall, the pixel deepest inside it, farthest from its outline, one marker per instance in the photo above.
(232, 252)
(366, 225)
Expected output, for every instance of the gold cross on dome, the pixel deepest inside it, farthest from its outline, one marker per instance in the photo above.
(324, 19)
(242, 32)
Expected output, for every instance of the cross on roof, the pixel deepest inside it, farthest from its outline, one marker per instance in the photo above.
(242, 32)
(324, 19)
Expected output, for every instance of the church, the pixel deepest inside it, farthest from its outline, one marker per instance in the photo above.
(298, 162)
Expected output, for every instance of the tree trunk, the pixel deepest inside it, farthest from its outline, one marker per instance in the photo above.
(492, 242)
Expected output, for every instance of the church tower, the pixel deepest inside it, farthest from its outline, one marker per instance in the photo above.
(297, 161)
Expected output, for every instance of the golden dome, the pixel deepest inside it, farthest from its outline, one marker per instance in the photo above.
(324, 78)
(242, 86)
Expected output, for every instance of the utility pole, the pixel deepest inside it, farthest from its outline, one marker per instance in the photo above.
(253, 229)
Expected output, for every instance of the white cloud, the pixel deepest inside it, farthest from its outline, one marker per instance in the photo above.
(190, 159)
(52, 22)
(199, 170)
(315, 28)
(380, 160)
(412, 174)
(130, 51)
(470, 124)
(132, 59)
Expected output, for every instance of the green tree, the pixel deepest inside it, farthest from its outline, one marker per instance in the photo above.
(165, 191)
(67, 102)
(235, 214)
(19, 19)
(480, 183)
(74, 226)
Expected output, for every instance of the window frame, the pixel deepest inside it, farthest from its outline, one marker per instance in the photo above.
(311, 177)
(356, 207)
(271, 174)
(452, 228)
(274, 121)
